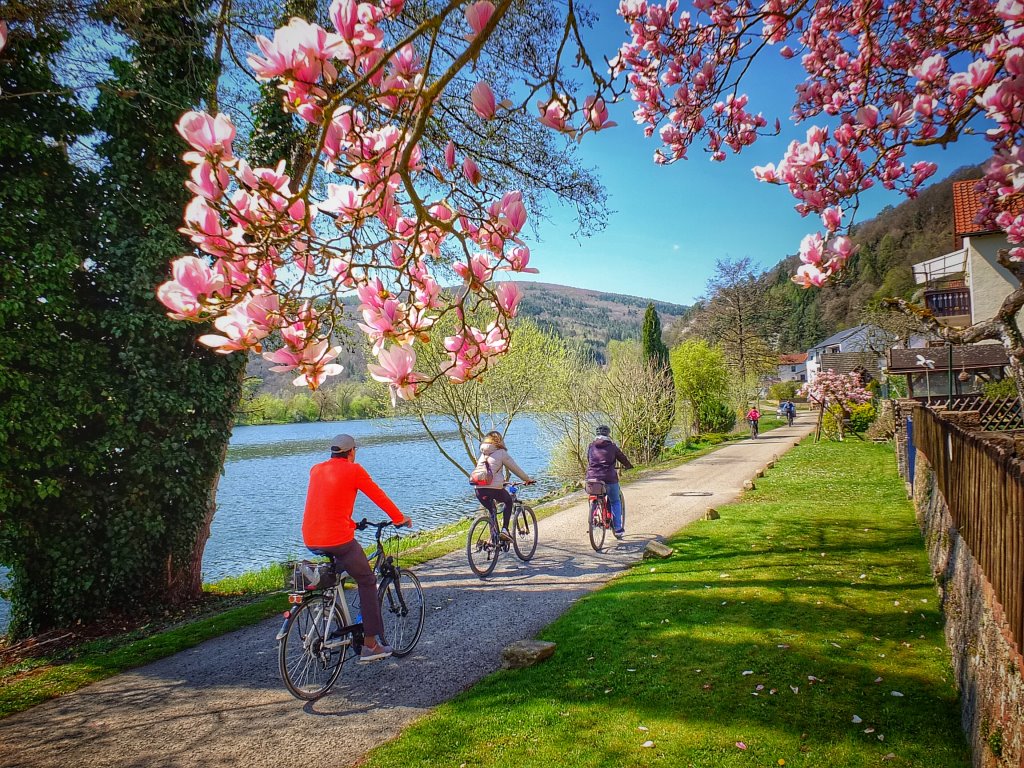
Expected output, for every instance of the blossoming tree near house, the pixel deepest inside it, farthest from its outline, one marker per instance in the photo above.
(389, 196)
(834, 393)
(880, 79)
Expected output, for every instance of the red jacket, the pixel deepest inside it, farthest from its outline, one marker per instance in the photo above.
(333, 485)
(753, 414)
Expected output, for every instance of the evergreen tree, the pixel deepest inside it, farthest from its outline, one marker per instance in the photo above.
(53, 410)
(178, 397)
(655, 351)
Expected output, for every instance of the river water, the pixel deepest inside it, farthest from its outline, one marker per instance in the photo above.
(263, 489)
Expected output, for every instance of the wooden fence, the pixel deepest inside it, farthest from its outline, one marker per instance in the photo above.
(981, 477)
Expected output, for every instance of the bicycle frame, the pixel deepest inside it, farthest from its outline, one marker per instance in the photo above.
(382, 565)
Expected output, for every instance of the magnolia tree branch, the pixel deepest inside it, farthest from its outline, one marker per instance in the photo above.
(883, 77)
(377, 206)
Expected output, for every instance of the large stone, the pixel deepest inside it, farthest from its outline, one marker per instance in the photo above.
(748, 485)
(712, 514)
(526, 653)
(760, 473)
(657, 549)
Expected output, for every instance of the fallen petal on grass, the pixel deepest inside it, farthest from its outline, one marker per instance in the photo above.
(857, 719)
(740, 745)
(647, 744)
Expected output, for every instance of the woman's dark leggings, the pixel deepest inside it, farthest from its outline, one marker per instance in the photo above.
(491, 497)
(350, 557)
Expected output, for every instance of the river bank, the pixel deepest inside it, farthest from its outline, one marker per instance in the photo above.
(201, 702)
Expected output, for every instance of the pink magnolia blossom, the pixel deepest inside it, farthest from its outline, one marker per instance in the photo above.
(482, 98)
(808, 275)
(519, 259)
(554, 113)
(211, 137)
(3, 34)
(193, 282)
(244, 325)
(478, 271)
(449, 155)
(477, 16)
(471, 172)
(396, 370)
(509, 297)
(595, 112)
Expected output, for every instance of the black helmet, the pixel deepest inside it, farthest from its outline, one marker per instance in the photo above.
(604, 430)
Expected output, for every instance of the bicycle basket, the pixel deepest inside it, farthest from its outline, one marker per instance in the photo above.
(307, 575)
(596, 487)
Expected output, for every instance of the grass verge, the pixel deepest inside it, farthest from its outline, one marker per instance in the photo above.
(240, 601)
(778, 635)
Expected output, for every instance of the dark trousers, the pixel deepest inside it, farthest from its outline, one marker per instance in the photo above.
(350, 557)
(491, 497)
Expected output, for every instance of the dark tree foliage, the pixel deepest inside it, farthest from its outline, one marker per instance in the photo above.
(655, 351)
(177, 396)
(53, 415)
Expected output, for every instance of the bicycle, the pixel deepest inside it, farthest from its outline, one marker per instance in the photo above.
(753, 428)
(484, 543)
(318, 634)
(600, 517)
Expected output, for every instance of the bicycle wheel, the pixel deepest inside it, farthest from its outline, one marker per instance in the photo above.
(597, 526)
(622, 503)
(308, 667)
(402, 609)
(524, 532)
(482, 547)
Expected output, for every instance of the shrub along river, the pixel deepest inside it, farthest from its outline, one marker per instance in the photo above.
(263, 489)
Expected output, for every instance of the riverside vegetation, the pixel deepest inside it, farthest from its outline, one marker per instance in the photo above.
(32, 673)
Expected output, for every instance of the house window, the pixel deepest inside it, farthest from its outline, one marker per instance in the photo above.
(792, 369)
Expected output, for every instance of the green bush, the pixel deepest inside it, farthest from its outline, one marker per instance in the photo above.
(715, 416)
(999, 390)
(783, 390)
(857, 419)
(861, 416)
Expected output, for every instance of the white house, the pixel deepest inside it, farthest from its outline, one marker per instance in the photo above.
(967, 285)
(793, 367)
(860, 339)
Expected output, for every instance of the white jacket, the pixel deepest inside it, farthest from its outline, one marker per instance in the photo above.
(498, 460)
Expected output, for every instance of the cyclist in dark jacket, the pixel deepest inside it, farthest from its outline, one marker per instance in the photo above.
(602, 455)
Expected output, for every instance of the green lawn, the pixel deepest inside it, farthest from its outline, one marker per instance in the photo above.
(774, 636)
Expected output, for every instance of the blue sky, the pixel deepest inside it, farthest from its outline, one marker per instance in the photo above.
(671, 223)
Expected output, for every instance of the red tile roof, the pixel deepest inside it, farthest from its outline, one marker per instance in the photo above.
(966, 205)
(793, 359)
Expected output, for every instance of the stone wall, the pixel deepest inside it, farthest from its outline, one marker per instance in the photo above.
(988, 671)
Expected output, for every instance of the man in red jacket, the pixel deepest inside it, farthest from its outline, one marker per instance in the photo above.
(328, 529)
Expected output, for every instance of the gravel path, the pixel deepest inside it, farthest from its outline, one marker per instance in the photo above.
(221, 703)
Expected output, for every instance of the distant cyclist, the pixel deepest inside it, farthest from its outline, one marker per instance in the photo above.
(753, 416)
(489, 478)
(328, 529)
(602, 456)
(790, 412)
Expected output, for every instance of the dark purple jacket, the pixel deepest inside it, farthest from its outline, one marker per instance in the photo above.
(601, 457)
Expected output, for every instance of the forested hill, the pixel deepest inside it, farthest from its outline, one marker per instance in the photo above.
(890, 243)
(591, 318)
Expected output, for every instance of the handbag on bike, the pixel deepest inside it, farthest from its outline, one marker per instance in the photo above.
(596, 487)
(308, 575)
(482, 474)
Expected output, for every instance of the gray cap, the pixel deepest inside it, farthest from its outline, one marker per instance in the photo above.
(342, 443)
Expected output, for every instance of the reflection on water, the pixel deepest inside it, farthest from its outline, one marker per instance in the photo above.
(263, 490)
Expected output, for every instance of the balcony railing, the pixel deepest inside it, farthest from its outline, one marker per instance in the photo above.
(948, 302)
